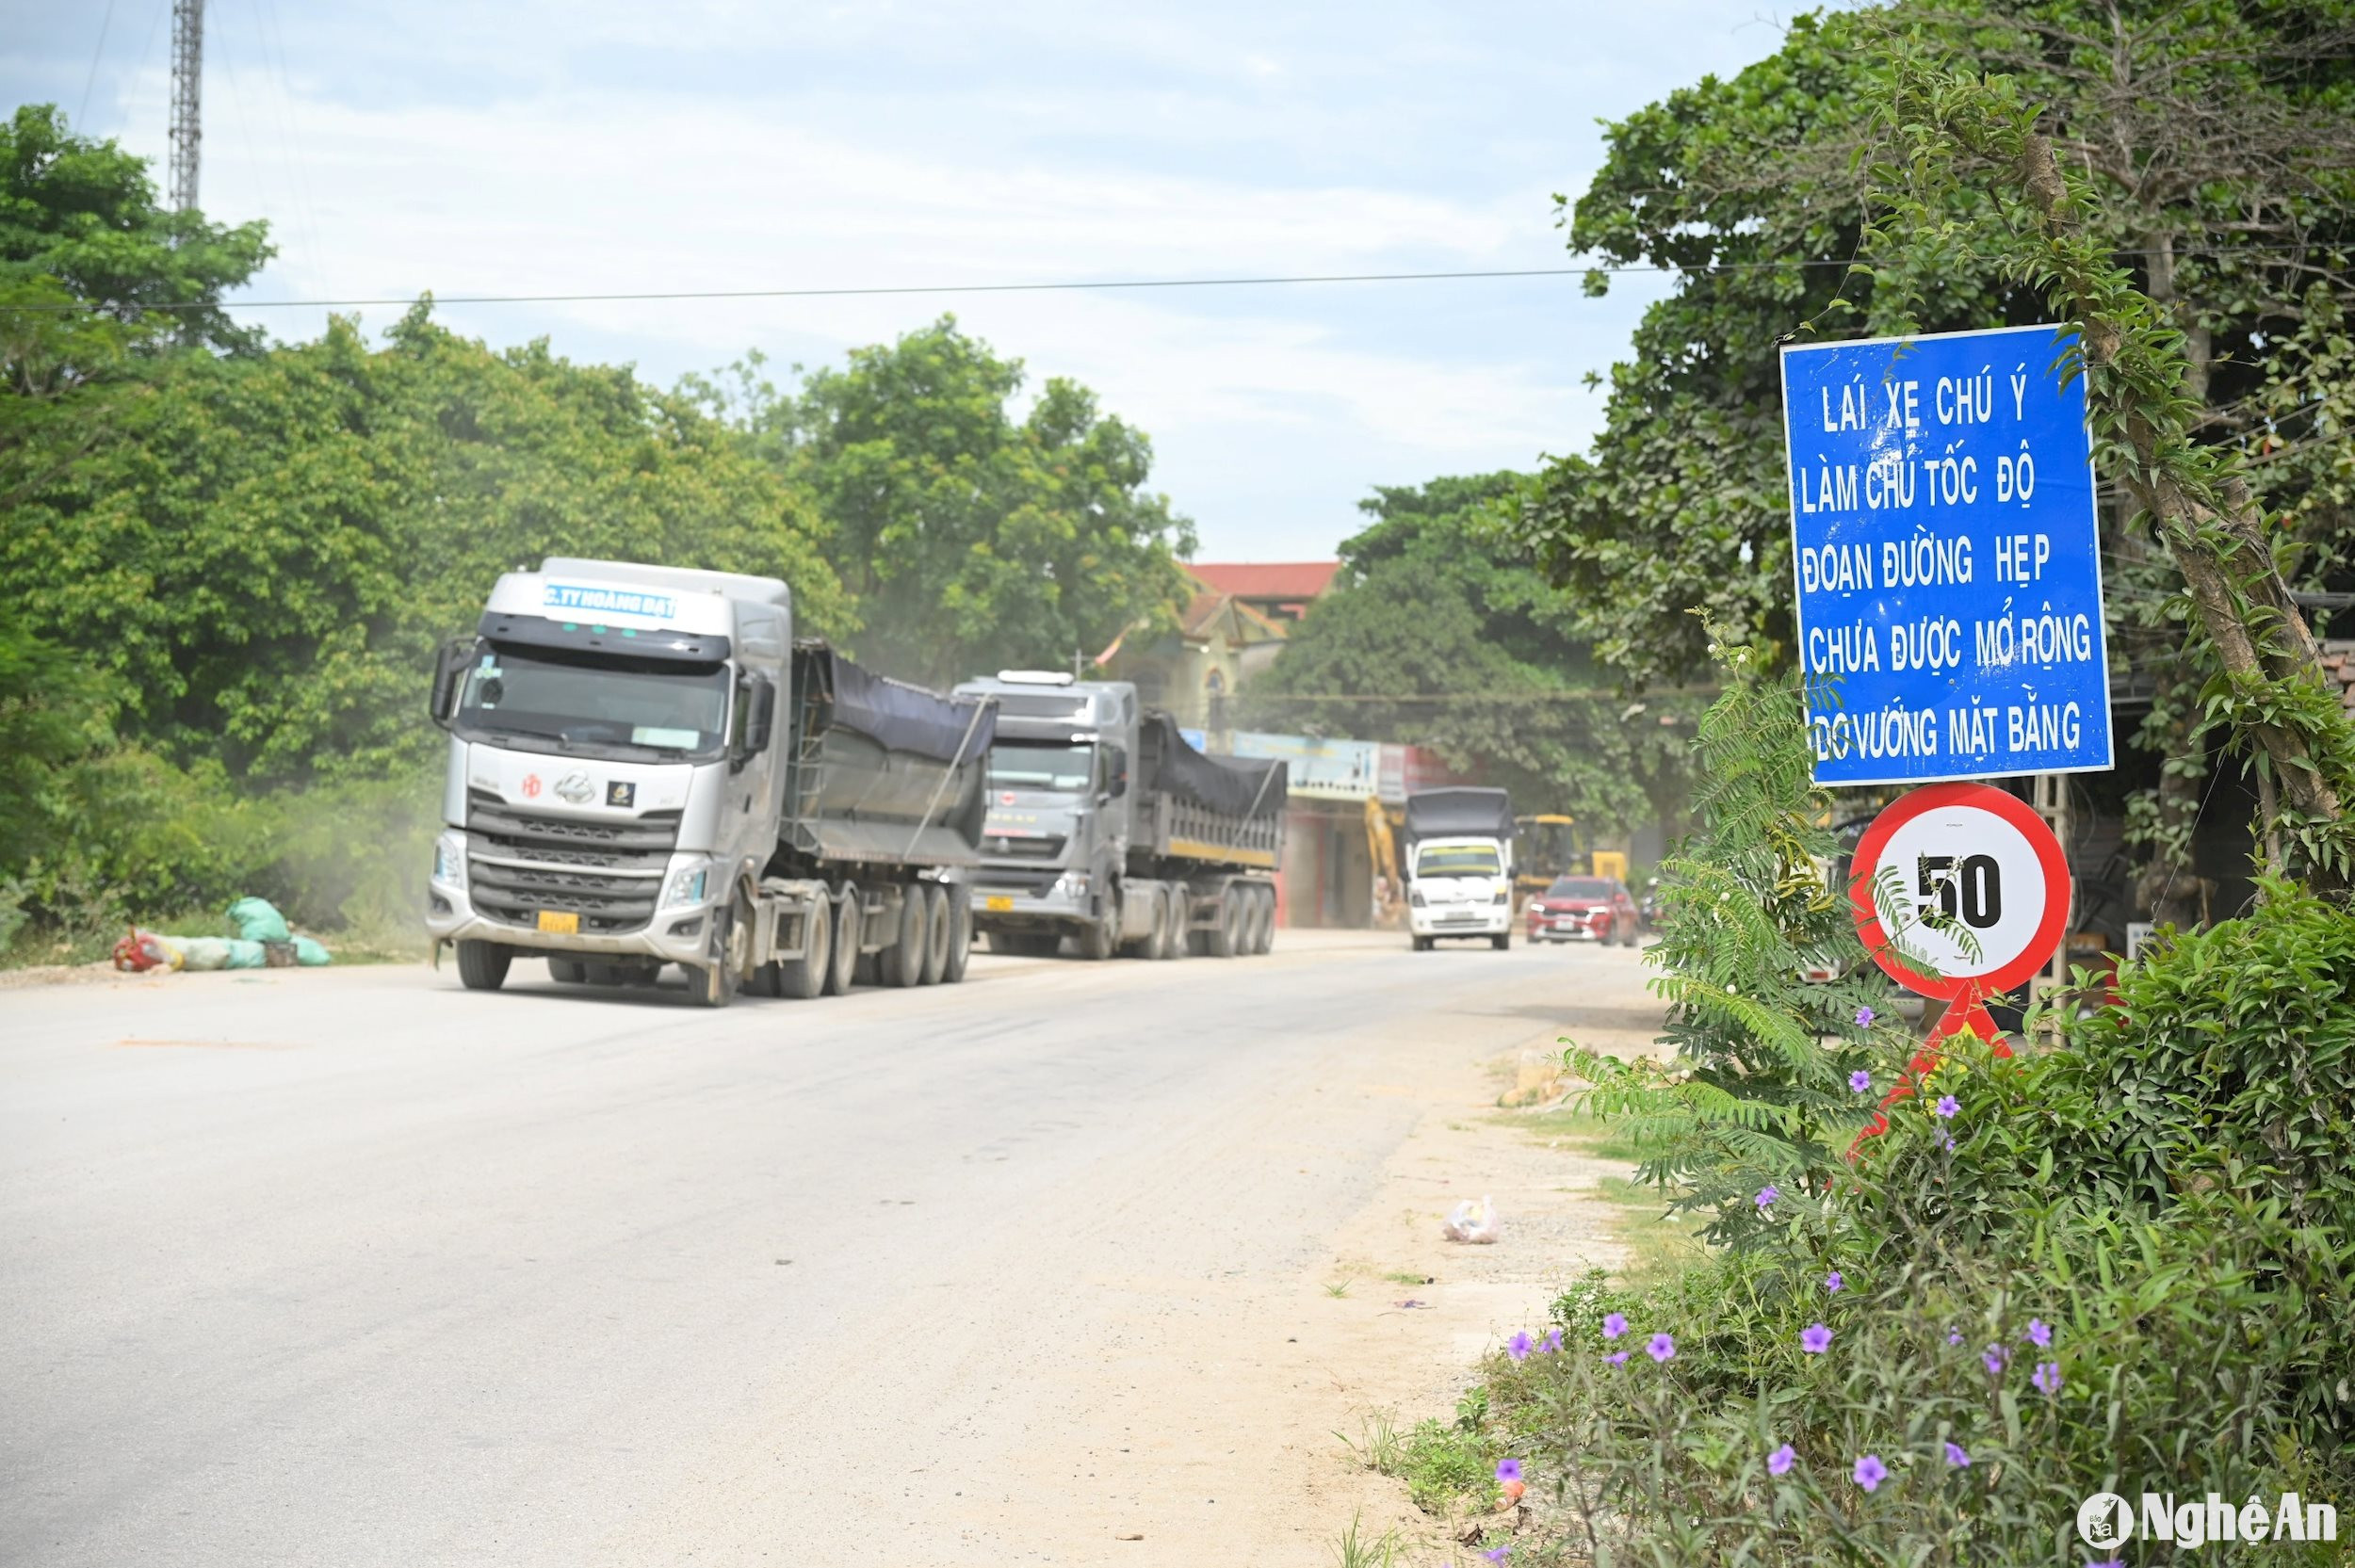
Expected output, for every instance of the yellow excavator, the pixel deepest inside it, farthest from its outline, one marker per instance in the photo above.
(1390, 888)
(1547, 845)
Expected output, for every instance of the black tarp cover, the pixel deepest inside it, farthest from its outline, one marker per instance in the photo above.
(1238, 786)
(900, 717)
(1459, 814)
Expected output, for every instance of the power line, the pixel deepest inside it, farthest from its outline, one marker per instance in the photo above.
(106, 25)
(1083, 285)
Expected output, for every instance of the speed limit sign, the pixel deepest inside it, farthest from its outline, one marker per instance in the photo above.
(1960, 891)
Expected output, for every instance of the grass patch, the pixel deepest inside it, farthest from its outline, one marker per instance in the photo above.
(1378, 1446)
(1578, 1131)
(1659, 1245)
(1401, 1277)
(1337, 1289)
(1353, 1550)
(1444, 1463)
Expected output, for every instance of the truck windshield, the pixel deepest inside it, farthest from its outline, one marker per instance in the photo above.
(1028, 765)
(1456, 859)
(644, 705)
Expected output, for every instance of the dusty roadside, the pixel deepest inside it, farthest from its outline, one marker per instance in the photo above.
(1187, 1420)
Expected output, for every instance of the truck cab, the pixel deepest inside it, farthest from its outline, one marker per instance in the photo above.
(1459, 867)
(611, 785)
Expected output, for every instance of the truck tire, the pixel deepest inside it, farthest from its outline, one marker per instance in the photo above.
(850, 925)
(1221, 939)
(960, 936)
(1263, 941)
(1182, 936)
(482, 966)
(1100, 939)
(1501, 940)
(805, 977)
(903, 961)
(935, 935)
(568, 971)
(713, 984)
(1422, 945)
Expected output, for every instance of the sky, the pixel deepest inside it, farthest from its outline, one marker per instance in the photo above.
(541, 147)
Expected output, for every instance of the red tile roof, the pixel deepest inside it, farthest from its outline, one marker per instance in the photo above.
(2338, 664)
(1290, 581)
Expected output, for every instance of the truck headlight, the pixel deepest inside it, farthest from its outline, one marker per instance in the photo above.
(686, 886)
(1072, 884)
(1503, 896)
(449, 859)
(1416, 898)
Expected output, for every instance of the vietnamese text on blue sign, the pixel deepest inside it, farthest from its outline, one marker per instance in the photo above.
(1947, 558)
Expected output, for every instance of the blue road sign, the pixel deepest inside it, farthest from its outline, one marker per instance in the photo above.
(1948, 562)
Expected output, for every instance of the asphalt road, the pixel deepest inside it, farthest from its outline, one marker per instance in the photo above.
(355, 1266)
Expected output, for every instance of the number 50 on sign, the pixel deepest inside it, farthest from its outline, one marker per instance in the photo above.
(1961, 891)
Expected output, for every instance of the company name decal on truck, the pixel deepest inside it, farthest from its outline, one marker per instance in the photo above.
(608, 600)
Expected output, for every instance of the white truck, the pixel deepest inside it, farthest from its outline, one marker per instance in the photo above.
(647, 768)
(1106, 828)
(1459, 866)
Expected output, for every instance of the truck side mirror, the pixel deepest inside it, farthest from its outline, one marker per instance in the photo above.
(450, 669)
(1115, 771)
(759, 700)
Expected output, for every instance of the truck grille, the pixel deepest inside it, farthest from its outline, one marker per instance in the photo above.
(1003, 879)
(519, 863)
(1050, 848)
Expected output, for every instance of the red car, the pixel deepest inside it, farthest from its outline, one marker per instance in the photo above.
(1583, 908)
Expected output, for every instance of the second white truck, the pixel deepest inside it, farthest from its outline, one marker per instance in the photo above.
(1459, 867)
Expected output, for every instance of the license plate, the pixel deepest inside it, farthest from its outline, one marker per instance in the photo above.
(559, 922)
(998, 903)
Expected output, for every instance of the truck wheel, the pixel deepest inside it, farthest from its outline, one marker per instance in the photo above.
(568, 971)
(805, 977)
(1172, 943)
(1100, 939)
(1150, 944)
(1422, 945)
(482, 966)
(1264, 942)
(1220, 940)
(1501, 941)
(960, 936)
(850, 920)
(903, 961)
(713, 984)
(935, 935)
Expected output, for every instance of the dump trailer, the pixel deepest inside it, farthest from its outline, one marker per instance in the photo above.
(647, 768)
(1459, 866)
(1106, 828)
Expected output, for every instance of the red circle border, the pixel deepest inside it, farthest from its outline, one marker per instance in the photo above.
(2012, 809)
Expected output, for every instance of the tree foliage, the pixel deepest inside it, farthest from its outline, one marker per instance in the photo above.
(84, 214)
(972, 533)
(262, 563)
(2217, 144)
(1430, 635)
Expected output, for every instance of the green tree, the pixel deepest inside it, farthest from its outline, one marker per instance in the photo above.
(972, 535)
(1428, 637)
(83, 213)
(261, 565)
(2217, 145)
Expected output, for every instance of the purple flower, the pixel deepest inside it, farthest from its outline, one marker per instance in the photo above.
(1864, 1018)
(2108, 1562)
(1993, 1360)
(1832, 1282)
(1551, 1342)
(1815, 1339)
(1954, 1336)
(2040, 1332)
(1508, 1469)
(1782, 1460)
(2046, 1377)
(1871, 1472)
(1661, 1348)
(1613, 1325)
(1767, 1196)
(1617, 1358)
(1956, 1457)
(1950, 1145)
(1498, 1554)
(1861, 1081)
(1948, 1105)
(1517, 1347)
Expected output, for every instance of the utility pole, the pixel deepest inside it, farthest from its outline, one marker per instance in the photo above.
(187, 84)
